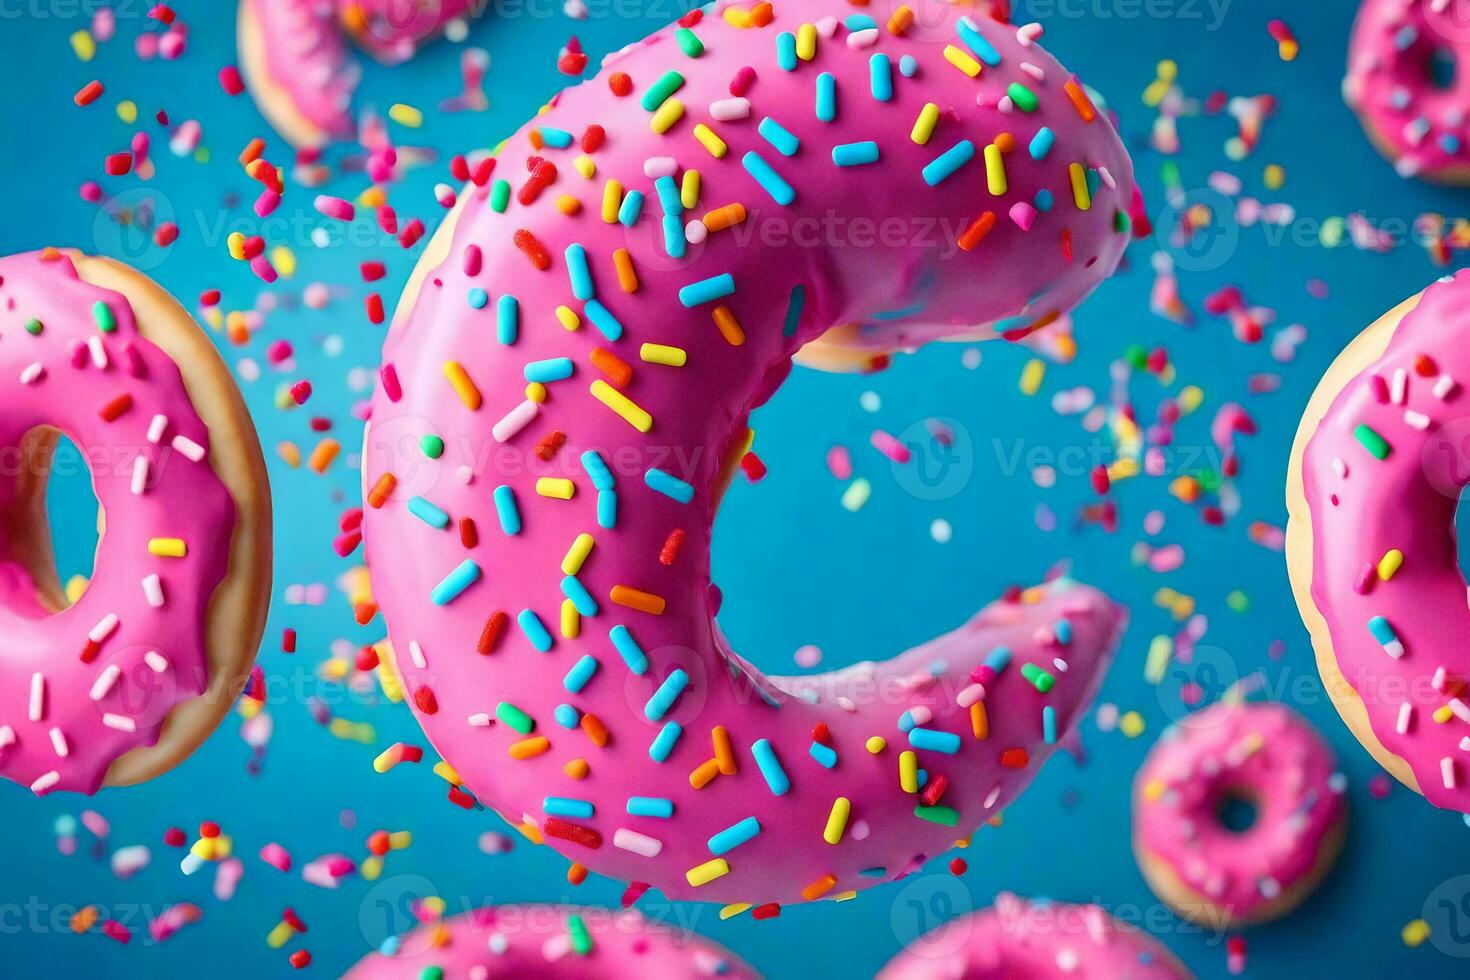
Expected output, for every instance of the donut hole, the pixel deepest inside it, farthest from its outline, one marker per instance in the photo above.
(1441, 67)
(71, 509)
(1237, 811)
(52, 529)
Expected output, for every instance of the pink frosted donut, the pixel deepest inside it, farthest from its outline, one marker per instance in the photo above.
(1264, 756)
(1020, 939)
(550, 942)
(1376, 473)
(296, 63)
(126, 681)
(1409, 87)
(564, 397)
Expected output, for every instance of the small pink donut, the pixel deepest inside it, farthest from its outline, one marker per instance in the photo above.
(126, 681)
(296, 63)
(1261, 755)
(565, 394)
(1377, 470)
(550, 942)
(1408, 84)
(1019, 939)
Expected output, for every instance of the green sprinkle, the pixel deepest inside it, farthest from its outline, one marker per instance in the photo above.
(34, 327)
(1037, 677)
(432, 973)
(689, 42)
(581, 938)
(659, 92)
(500, 196)
(102, 313)
(1023, 97)
(946, 815)
(1238, 601)
(514, 717)
(432, 446)
(1136, 357)
(1372, 441)
(1122, 223)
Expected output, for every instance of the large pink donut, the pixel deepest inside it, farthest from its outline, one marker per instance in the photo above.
(1377, 469)
(550, 942)
(1265, 755)
(1020, 939)
(542, 553)
(1415, 119)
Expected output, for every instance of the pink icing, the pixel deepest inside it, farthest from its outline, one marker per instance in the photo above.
(1389, 82)
(1019, 938)
(306, 55)
(515, 941)
(80, 688)
(1362, 508)
(1265, 754)
(393, 29)
(907, 291)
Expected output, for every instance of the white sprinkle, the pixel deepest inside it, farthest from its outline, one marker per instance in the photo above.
(188, 448)
(481, 720)
(656, 167)
(121, 723)
(1444, 387)
(7, 737)
(105, 681)
(1406, 718)
(728, 110)
(99, 353)
(1398, 389)
(153, 591)
(1464, 743)
(1028, 34)
(38, 698)
(631, 840)
(156, 661)
(140, 475)
(1340, 468)
(416, 654)
(58, 742)
(970, 694)
(991, 797)
(863, 39)
(1447, 771)
(515, 420)
(104, 629)
(1034, 71)
(40, 786)
(32, 373)
(1416, 420)
(1460, 709)
(157, 428)
(1440, 676)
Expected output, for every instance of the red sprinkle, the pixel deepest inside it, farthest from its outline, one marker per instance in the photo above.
(490, 635)
(116, 408)
(531, 246)
(562, 830)
(425, 700)
(230, 80)
(88, 93)
(670, 551)
(593, 138)
(620, 83)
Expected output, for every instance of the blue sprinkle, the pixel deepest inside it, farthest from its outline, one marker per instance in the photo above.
(771, 182)
(785, 142)
(582, 671)
(668, 485)
(596, 467)
(628, 649)
(506, 509)
(824, 754)
(826, 97)
(952, 159)
(1063, 631)
(573, 589)
(651, 806)
(1043, 200)
(874, 872)
(567, 717)
(668, 196)
(667, 695)
(557, 139)
(859, 22)
(734, 835)
(880, 76)
(975, 41)
(770, 767)
(1049, 725)
(603, 319)
(906, 721)
(1042, 143)
(477, 298)
(674, 240)
(794, 305)
(855, 154)
(908, 66)
(428, 513)
(932, 740)
(631, 209)
(998, 659)
(535, 630)
(707, 290)
(565, 806)
(507, 320)
(607, 509)
(665, 741)
(454, 584)
(579, 273)
(549, 370)
(786, 50)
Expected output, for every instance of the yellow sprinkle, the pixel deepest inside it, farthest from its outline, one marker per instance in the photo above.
(1275, 176)
(711, 141)
(446, 772)
(1154, 789)
(459, 379)
(371, 867)
(571, 620)
(586, 166)
(663, 354)
(620, 403)
(740, 18)
(568, 317)
(995, 170)
(689, 190)
(876, 744)
(1443, 714)
(405, 115)
(76, 587)
(235, 244)
(284, 260)
(707, 872)
(1131, 724)
(1390, 563)
(167, 547)
(127, 111)
(536, 392)
(806, 42)
(837, 820)
(730, 911)
(962, 60)
(908, 771)
(577, 553)
(568, 205)
(667, 115)
(281, 934)
(856, 494)
(1080, 193)
(1032, 375)
(83, 46)
(627, 275)
(557, 487)
(1415, 933)
(372, 197)
(612, 200)
(924, 125)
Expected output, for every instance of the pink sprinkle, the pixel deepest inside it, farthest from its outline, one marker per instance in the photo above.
(743, 80)
(808, 656)
(262, 267)
(1023, 215)
(335, 207)
(116, 930)
(230, 80)
(389, 376)
(279, 351)
(276, 856)
(267, 202)
(890, 447)
(839, 462)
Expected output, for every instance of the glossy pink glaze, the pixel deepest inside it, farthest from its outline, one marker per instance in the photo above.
(1389, 82)
(153, 657)
(1020, 939)
(394, 29)
(698, 415)
(1363, 507)
(307, 56)
(515, 941)
(1266, 754)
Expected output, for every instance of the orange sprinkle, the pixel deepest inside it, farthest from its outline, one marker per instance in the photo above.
(724, 752)
(382, 490)
(763, 13)
(576, 873)
(252, 151)
(819, 887)
(625, 595)
(724, 217)
(729, 327)
(322, 456)
(577, 769)
(618, 371)
(595, 729)
(1005, 142)
(1080, 101)
(901, 21)
(979, 228)
(528, 748)
(627, 275)
(459, 380)
(979, 720)
(704, 774)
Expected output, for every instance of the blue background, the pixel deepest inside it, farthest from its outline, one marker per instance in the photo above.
(797, 568)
